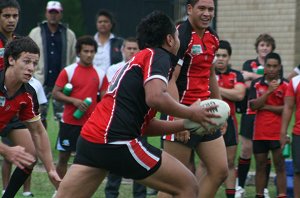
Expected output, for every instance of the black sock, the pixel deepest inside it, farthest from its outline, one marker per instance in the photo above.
(230, 193)
(17, 179)
(259, 196)
(268, 171)
(243, 169)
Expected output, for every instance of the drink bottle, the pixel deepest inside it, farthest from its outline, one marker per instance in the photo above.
(260, 70)
(286, 152)
(78, 113)
(67, 89)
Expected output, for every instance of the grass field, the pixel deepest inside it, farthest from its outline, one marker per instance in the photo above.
(42, 188)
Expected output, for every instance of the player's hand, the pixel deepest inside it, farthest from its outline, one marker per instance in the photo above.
(54, 178)
(284, 139)
(203, 115)
(19, 157)
(223, 128)
(273, 85)
(183, 136)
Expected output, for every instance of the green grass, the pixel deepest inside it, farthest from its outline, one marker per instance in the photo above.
(42, 188)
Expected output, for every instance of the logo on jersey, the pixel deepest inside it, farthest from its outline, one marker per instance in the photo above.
(2, 52)
(2, 101)
(196, 49)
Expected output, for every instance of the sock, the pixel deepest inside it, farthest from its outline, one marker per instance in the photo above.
(259, 196)
(17, 179)
(243, 169)
(230, 193)
(281, 196)
(268, 171)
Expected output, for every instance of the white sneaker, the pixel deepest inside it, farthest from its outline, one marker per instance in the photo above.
(54, 194)
(3, 191)
(28, 194)
(266, 193)
(239, 192)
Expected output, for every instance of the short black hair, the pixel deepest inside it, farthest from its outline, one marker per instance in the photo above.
(225, 45)
(9, 4)
(153, 29)
(193, 2)
(273, 55)
(85, 40)
(109, 15)
(15, 47)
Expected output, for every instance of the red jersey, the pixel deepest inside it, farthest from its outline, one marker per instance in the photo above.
(293, 90)
(267, 124)
(23, 104)
(86, 81)
(123, 112)
(195, 55)
(228, 80)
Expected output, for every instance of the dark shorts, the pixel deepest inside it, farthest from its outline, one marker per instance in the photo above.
(194, 139)
(67, 137)
(134, 159)
(296, 152)
(247, 125)
(15, 123)
(231, 135)
(264, 146)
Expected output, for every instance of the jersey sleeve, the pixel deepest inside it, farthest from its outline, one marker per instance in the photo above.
(292, 87)
(158, 67)
(62, 79)
(29, 111)
(104, 85)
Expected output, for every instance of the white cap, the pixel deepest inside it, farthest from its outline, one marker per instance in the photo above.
(54, 5)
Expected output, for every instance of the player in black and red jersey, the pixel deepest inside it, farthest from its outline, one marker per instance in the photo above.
(266, 96)
(193, 79)
(232, 89)
(18, 98)
(110, 139)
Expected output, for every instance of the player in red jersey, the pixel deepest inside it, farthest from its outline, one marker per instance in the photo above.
(232, 89)
(291, 100)
(18, 98)
(110, 139)
(193, 79)
(267, 98)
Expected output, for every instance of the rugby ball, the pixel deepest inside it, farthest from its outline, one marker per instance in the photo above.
(222, 109)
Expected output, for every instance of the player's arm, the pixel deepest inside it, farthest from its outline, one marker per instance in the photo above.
(274, 109)
(289, 102)
(235, 94)
(43, 149)
(172, 87)
(157, 127)
(158, 98)
(213, 84)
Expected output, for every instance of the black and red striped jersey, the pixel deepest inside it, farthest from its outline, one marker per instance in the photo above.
(23, 104)
(123, 113)
(195, 55)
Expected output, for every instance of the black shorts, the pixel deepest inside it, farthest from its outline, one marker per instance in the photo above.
(15, 123)
(296, 152)
(247, 126)
(134, 159)
(264, 146)
(231, 136)
(67, 137)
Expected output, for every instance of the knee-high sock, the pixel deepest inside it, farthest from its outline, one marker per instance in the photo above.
(243, 169)
(17, 179)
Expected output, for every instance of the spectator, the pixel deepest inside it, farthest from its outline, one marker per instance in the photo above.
(266, 96)
(94, 80)
(20, 57)
(57, 44)
(232, 89)
(129, 49)
(264, 44)
(18, 127)
(109, 46)
(193, 79)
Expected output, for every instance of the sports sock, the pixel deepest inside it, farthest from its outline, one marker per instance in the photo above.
(17, 179)
(268, 171)
(230, 193)
(243, 169)
(259, 196)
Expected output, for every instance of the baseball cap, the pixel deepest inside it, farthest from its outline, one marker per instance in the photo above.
(54, 5)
